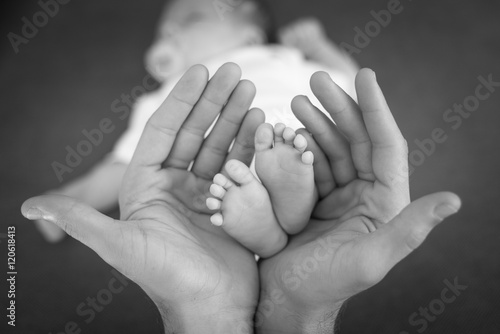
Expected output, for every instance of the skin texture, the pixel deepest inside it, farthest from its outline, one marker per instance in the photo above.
(363, 223)
(251, 215)
(288, 179)
(205, 282)
(199, 278)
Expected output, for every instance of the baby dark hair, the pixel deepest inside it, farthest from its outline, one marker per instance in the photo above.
(255, 12)
(259, 14)
(263, 17)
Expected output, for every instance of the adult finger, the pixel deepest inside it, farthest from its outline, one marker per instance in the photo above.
(328, 137)
(215, 148)
(161, 129)
(79, 220)
(192, 133)
(407, 231)
(243, 148)
(347, 116)
(389, 153)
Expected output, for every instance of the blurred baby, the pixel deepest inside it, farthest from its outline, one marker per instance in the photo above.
(212, 33)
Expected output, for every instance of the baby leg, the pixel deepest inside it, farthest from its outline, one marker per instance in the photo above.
(245, 210)
(286, 170)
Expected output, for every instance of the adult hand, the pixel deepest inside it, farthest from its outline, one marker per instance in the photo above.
(201, 280)
(363, 224)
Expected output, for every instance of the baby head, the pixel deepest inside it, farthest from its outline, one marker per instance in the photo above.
(191, 31)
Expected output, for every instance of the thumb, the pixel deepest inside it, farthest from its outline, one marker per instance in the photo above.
(408, 230)
(79, 220)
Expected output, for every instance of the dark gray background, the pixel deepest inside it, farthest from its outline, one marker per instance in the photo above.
(429, 57)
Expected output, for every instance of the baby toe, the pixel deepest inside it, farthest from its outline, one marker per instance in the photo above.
(289, 135)
(221, 180)
(300, 143)
(279, 128)
(239, 172)
(217, 219)
(308, 158)
(217, 191)
(213, 203)
(264, 137)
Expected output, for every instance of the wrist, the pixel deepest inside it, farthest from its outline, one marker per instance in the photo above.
(206, 319)
(290, 322)
(288, 316)
(320, 321)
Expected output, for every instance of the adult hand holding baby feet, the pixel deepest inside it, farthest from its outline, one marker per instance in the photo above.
(364, 223)
(259, 215)
(200, 278)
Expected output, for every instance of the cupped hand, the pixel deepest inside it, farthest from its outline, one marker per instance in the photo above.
(363, 223)
(201, 280)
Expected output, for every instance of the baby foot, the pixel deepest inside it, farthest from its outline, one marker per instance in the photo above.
(307, 35)
(245, 210)
(286, 171)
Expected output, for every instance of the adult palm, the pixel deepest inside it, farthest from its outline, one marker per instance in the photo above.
(201, 280)
(363, 223)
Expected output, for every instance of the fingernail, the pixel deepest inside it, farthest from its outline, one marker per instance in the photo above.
(444, 211)
(33, 214)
